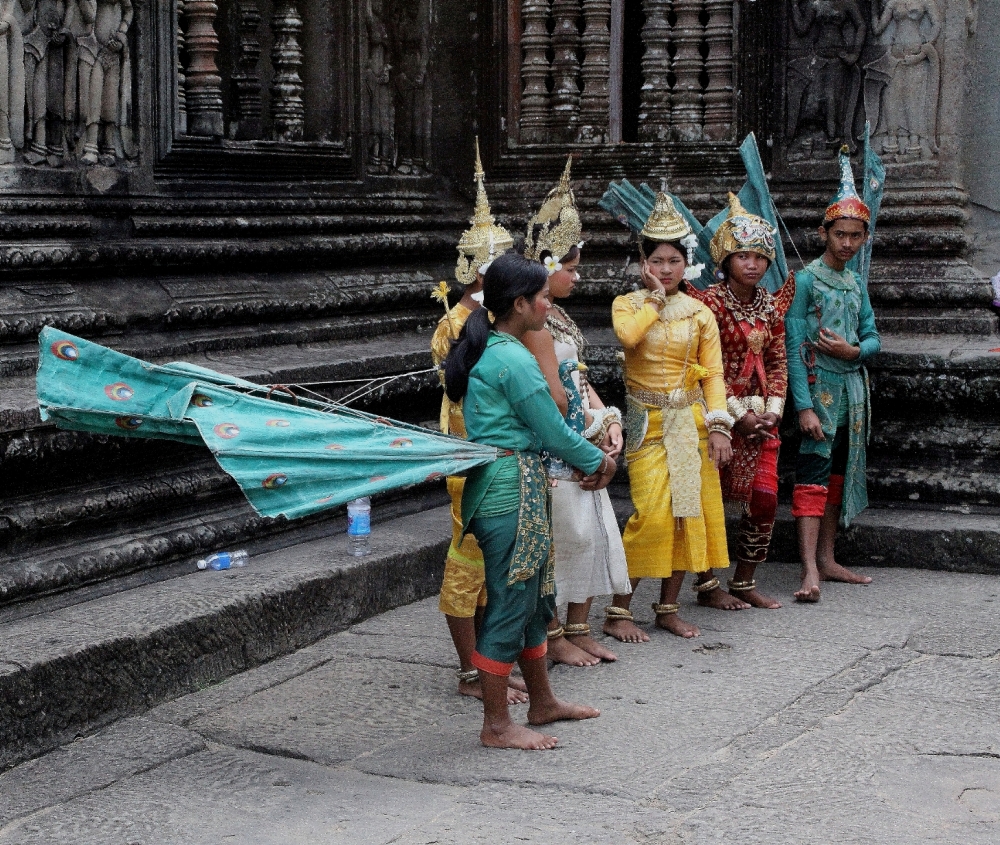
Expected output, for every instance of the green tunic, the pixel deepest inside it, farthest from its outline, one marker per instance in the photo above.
(508, 405)
(826, 298)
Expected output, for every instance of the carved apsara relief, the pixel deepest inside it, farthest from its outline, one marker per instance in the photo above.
(66, 81)
(853, 61)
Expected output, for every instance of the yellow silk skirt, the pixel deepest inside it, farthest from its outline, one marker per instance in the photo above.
(655, 542)
(464, 586)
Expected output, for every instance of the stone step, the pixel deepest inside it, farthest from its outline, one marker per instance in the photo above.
(969, 321)
(71, 663)
(74, 662)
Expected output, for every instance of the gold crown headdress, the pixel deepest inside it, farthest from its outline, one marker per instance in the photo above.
(485, 239)
(665, 222)
(742, 231)
(561, 228)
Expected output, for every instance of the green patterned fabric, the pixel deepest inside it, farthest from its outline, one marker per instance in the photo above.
(289, 459)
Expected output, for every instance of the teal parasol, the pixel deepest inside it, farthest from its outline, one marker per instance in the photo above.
(289, 459)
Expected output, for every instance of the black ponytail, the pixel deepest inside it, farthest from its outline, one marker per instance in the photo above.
(509, 277)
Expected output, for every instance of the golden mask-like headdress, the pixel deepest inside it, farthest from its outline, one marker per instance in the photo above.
(665, 223)
(485, 239)
(742, 231)
(561, 228)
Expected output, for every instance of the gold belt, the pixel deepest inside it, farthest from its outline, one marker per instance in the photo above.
(674, 399)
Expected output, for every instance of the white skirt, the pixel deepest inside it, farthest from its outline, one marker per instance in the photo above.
(590, 558)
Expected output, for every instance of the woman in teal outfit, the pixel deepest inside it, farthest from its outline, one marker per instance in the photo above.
(829, 333)
(507, 404)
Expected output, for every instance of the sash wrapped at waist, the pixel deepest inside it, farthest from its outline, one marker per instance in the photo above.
(680, 438)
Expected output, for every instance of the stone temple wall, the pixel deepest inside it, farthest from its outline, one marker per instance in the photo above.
(271, 187)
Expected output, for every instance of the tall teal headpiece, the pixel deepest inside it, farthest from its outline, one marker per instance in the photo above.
(847, 203)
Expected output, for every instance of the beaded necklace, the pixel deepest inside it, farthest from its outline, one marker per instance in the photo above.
(759, 308)
(564, 329)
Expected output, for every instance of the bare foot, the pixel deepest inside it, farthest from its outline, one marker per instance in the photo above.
(594, 648)
(562, 650)
(625, 630)
(757, 599)
(678, 627)
(517, 683)
(475, 690)
(516, 736)
(836, 572)
(721, 600)
(557, 711)
(809, 591)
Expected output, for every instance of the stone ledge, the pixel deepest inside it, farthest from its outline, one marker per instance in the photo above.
(68, 671)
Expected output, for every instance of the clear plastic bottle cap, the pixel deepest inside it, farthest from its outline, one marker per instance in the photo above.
(203, 564)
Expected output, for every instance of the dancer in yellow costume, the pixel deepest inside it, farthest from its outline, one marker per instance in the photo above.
(677, 428)
(463, 589)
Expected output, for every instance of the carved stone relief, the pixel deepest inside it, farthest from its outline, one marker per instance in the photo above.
(396, 91)
(903, 84)
(67, 81)
(824, 75)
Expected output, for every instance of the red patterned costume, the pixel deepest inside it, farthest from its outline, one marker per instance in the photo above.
(756, 373)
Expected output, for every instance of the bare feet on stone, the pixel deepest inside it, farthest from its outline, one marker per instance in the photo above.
(625, 630)
(559, 711)
(721, 600)
(678, 627)
(757, 599)
(833, 571)
(516, 736)
(809, 591)
(586, 643)
(561, 650)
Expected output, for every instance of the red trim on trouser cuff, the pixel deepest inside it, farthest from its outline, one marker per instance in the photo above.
(808, 500)
(535, 652)
(836, 495)
(766, 477)
(494, 667)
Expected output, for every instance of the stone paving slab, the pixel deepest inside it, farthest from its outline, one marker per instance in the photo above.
(860, 719)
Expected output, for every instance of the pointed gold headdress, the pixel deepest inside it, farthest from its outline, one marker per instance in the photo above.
(485, 239)
(742, 231)
(665, 223)
(559, 221)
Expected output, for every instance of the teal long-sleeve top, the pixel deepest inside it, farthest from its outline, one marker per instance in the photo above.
(508, 405)
(836, 300)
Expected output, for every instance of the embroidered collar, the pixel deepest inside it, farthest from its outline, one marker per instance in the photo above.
(680, 306)
(758, 308)
(841, 280)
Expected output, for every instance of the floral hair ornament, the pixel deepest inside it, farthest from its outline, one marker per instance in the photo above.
(552, 265)
(692, 271)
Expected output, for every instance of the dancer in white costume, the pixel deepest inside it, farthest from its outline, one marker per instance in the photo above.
(590, 558)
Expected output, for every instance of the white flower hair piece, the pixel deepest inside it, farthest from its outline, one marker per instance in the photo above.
(478, 297)
(552, 265)
(692, 271)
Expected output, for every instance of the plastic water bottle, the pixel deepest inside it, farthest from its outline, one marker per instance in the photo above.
(224, 560)
(359, 527)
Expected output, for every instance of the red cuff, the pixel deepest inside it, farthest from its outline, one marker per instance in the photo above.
(808, 500)
(836, 496)
(535, 652)
(493, 667)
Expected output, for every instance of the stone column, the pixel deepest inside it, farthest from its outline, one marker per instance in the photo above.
(535, 42)
(247, 74)
(181, 93)
(687, 112)
(655, 110)
(594, 102)
(202, 83)
(719, 68)
(565, 69)
(287, 108)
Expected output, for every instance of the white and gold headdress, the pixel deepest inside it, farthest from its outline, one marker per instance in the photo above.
(485, 239)
(558, 223)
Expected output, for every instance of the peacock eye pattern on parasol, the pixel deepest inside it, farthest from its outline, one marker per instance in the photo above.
(274, 481)
(65, 350)
(277, 423)
(119, 391)
(227, 431)
(128, 423)
(200, 400)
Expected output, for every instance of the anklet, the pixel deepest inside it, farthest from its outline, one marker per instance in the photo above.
(469, 677)
(706, 586)
(555, 633)
(576, 629)
(614, 612)
(664, 609)
(742, 586)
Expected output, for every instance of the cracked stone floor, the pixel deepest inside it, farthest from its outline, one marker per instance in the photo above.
(868, 718)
